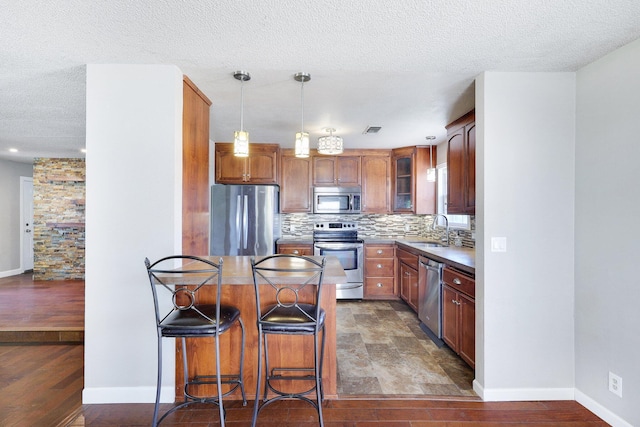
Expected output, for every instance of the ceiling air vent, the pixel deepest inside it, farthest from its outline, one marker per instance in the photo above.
(372, 129)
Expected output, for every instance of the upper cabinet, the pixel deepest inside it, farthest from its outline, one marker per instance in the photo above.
(261, 167)
(411, 192)
(461, 165)
(376, 174)
(336, 171)
(295, 183)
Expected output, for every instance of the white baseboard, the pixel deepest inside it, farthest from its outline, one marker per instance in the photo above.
(506, 395)
(10, 273)
(600, 410)
(522, 394)
(98, 395)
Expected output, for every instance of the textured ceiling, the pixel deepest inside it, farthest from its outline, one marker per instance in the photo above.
(407, 66)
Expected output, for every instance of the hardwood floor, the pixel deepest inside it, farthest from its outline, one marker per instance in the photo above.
(42, 383)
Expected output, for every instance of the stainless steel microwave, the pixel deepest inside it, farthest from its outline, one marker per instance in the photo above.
(336, 200)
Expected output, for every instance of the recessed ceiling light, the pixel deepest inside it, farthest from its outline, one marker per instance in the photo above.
(13, 150)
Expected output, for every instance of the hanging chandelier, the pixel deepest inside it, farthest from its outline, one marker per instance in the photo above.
(240, 137)
(330, 144)
(302, 137)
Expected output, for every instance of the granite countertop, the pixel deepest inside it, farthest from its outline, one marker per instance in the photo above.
(458, 257)
(461, 258)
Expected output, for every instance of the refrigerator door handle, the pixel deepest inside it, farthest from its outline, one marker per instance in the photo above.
(245, 221)
(238, 211)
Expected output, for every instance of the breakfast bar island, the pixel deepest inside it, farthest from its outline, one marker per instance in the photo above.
(289, 351)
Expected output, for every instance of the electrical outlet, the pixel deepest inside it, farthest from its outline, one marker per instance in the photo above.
(615, 384)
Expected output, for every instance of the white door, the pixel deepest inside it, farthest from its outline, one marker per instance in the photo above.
(26, 223)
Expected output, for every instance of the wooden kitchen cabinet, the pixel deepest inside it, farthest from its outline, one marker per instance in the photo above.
(461, 165)
(379, 271)
(376, 175)
(336, 171)
(411, 193)
(260, 167)
(408, 277)
(195, 170)
(295, 249)
(459, 314)
(295, 183)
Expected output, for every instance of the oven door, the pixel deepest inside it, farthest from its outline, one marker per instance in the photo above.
(351, 257)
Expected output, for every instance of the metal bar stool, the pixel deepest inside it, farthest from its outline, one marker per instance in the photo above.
(178, 281)
(289, 304)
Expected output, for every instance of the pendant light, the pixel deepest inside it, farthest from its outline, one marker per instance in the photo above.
(431, 172)
(302, 137)
(240, 137)
(330, 144)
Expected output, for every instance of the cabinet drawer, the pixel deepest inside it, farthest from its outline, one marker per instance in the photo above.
(378, 286)
(407, 258)
(379, 267)
(385, 251)
(295, 249)
(459, 281)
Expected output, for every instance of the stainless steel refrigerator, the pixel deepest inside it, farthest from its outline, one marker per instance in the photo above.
(245, 219)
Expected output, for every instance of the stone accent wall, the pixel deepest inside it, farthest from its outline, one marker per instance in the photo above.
(58, 219)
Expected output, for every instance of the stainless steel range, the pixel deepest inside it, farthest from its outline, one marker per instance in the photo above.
(340, 239)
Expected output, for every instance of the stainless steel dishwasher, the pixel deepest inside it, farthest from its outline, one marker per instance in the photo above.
(430, 299)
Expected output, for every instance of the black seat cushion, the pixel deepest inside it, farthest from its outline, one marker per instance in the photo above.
(291, 320)
(191, 323)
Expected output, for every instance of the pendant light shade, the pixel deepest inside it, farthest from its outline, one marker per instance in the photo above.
(302, 137)
(240, 137)
(431, 172)
(330, 144)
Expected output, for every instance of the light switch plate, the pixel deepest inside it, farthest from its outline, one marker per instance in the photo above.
(498, 244)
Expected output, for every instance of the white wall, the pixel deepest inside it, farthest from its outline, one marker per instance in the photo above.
(133, 211)
(10, 229)
(525, 186)
(608, 232)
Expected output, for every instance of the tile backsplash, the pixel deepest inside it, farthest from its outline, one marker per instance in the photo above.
(378, 226)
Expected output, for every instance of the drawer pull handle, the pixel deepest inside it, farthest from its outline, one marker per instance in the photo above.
(457, 281)
(379, 251)
(379, 266)
(295, 252)
(379, 285)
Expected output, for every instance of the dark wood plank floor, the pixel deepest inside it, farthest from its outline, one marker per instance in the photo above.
(42, 383)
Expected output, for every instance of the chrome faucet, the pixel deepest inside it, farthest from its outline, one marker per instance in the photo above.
(446, 224)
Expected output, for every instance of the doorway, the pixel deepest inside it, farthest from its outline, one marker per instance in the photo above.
(26, 223)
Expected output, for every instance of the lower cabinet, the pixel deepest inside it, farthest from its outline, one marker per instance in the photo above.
(408, 277)
(379, 271)
(295, 249)
(459, 314)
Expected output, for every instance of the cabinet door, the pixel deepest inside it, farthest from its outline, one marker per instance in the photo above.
(409, 285)
(375, 184)
(403, 183)
(348, 171)
(262, 164)
(295, 184)
(450, 318)
(456, 172)
(467, 329)
(470, 202)
(229, 168)
(324, 171)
